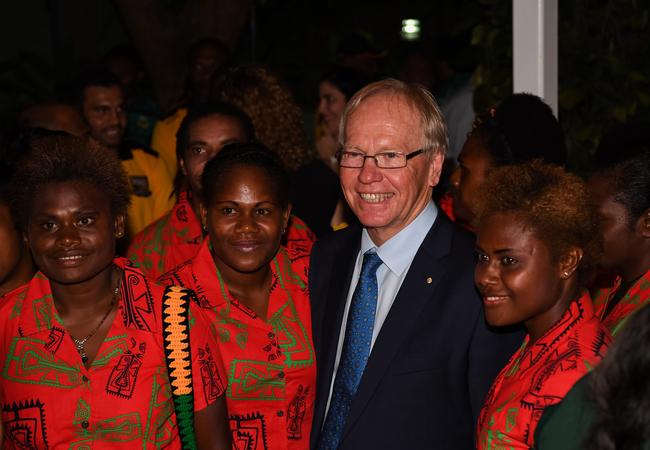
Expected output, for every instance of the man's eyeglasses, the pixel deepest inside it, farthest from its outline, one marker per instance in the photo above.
(384, 160)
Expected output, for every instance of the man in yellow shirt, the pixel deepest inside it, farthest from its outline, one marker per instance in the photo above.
(101, 102)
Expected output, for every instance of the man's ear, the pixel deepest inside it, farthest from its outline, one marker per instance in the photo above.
(570, 261)
(435, 167)
(642, 226)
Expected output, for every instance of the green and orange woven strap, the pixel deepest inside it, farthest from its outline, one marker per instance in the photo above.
(176, 335)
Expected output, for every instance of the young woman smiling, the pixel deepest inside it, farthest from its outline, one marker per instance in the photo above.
(84, 361)
(177, 236)
(256, 291)
(536, 242)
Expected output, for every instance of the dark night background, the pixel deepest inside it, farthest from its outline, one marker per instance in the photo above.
(604, 69)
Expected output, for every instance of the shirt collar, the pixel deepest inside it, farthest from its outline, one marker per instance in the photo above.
(398, 252)
(38, 313)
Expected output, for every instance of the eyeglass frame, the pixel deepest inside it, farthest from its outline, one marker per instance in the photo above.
(407, 156)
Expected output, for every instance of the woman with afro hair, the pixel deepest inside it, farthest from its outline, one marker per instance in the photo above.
(536, 243)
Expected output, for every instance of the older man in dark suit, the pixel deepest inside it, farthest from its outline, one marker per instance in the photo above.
(404, 355)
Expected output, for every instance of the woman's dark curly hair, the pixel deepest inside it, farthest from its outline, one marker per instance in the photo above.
(620, 386)
(520, 129)
(551, 202)
(62, 158)
(276, 117)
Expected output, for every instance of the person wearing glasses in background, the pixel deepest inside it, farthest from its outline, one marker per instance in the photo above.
(404, 355)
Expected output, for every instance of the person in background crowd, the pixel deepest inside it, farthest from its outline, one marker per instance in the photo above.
(522, 128)
(404, 356)
(16, 264)
(102, 106)
(334, 90)
(206, 58)
(141, 111)
(317, 196)
(177, 236)
(607, 409)
(453, 67)
(256, 291)
(537, 241)
(416, 66)
(620, 188)
(84, 356)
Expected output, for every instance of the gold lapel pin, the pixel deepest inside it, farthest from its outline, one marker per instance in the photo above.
(429, 280)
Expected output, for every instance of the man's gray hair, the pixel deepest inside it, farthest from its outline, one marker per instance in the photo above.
(432, 122)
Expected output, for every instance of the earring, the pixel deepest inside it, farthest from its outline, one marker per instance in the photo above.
(205, 228)
(566, 275)
(119, 234)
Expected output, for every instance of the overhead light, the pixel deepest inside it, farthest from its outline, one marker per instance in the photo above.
(410, 29)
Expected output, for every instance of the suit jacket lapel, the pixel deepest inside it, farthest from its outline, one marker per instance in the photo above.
(341, 277)
(416, 291)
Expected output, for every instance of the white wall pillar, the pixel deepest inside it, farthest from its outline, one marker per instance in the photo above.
(534, 56)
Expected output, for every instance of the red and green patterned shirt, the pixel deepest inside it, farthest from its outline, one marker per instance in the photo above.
(634, 299)
(270, 365)
(540, 375)
(50, 400)
(177, 237)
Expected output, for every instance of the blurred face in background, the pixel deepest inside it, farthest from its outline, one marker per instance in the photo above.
(624, 243)
(103, 110)
(467, 178)
(204, 63)
(128, 73)
(330, 107)
(206, 137)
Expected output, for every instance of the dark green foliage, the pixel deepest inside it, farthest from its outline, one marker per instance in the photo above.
(604, 69)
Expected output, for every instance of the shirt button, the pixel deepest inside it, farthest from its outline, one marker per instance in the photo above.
(280, 413)
(84, 379)
(281, 375)
(85, 424)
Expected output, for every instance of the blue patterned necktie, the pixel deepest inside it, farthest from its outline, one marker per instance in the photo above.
(355, 352)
